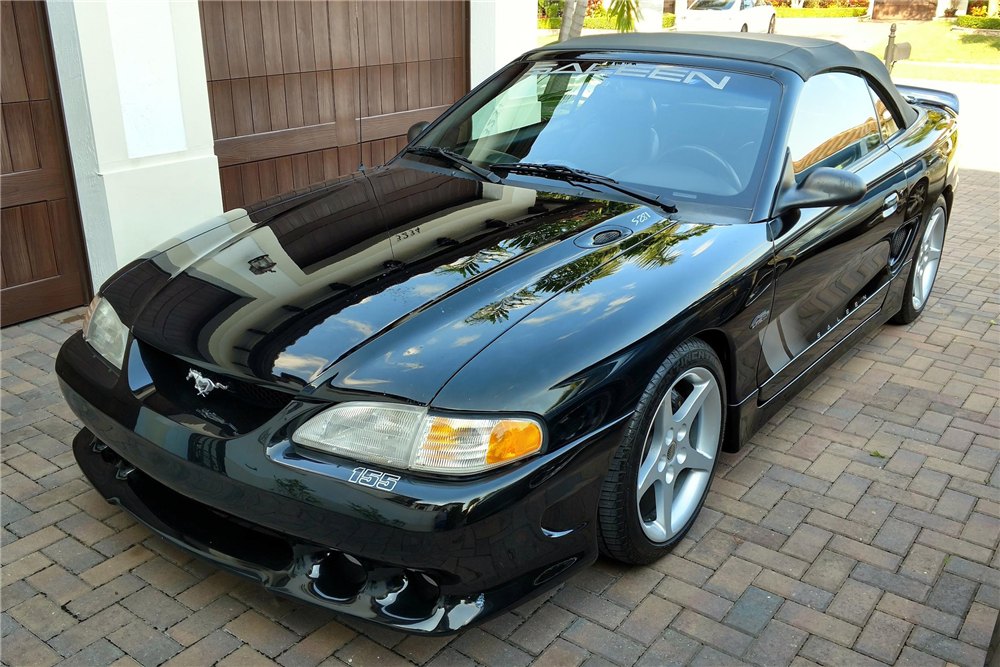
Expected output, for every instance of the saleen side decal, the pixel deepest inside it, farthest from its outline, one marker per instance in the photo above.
(658, 72)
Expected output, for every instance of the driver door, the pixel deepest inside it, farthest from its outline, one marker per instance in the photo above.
(833, 264)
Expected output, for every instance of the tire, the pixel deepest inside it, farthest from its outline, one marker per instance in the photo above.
(931, 237)
(770, 26)
(624, 524)
(744, 28)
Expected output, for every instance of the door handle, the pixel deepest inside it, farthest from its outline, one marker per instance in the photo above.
(890, 204)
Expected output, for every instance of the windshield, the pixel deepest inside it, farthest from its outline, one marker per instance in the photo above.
(712, 4)
(689, 134)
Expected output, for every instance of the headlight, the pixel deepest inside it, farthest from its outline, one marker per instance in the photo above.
(402, 436)
(105, 332)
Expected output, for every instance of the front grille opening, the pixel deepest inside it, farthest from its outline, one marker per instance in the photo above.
(208, 529)
(239, 408)
(338, 577)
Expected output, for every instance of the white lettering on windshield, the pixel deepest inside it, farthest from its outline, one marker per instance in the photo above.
(701, 75)
(669, 73)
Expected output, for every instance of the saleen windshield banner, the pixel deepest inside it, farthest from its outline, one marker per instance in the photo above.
(669, 73)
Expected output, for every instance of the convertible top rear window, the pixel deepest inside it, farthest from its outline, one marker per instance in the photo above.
(689, 133)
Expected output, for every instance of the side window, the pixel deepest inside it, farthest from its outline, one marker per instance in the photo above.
(747, 4)
(834, 123)
(885, 118)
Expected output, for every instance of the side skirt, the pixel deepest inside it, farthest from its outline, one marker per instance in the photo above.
(747, 417)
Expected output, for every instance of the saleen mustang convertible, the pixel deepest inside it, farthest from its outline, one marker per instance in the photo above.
(421, 393)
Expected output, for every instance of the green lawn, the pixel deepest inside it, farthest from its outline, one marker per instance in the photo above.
(934, 41)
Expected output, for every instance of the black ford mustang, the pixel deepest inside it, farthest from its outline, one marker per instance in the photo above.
(425, 391)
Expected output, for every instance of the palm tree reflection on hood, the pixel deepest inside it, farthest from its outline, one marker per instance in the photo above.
(650, 248)
(475, 263)
(535, 236)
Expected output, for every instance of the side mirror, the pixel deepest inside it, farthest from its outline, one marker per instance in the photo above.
(824, 186)
(416, 129)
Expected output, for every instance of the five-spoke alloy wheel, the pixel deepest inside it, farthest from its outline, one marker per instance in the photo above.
(660, 474)
(924, 267)
(681, 448)
(928, 258)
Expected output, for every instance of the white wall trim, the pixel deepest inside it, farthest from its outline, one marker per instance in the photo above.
(139, 126)
(90, 194)
(499, 32)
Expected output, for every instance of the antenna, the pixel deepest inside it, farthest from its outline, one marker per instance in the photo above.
(361, 141)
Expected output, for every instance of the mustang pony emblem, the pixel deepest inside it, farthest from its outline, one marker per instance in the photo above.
(202, 384)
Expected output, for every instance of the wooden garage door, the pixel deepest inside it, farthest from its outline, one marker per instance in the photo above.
(286, 79)
(41, 248)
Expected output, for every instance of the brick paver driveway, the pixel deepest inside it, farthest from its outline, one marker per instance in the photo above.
(859, 528)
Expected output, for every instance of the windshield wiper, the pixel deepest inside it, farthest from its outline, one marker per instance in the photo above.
(456, 159)
(564, 173)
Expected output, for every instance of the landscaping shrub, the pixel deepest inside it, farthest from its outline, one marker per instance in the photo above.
(599, 23)
(668, 20)
(590, 22)
(980, 22)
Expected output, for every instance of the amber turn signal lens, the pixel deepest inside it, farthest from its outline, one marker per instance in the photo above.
(513, 439)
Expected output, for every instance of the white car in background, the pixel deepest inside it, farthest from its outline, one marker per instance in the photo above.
(727, 16)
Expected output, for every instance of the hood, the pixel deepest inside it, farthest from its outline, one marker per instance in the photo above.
(386, 282)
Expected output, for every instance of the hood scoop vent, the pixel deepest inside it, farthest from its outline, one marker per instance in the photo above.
(602, 236)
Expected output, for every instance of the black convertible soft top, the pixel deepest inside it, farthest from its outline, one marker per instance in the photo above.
(805, 56)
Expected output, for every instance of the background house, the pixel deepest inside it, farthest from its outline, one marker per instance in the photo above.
(125, 123)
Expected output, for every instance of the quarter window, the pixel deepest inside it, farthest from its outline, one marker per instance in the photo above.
(885, 119)
(834, 124)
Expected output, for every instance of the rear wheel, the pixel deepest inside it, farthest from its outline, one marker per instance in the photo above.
(744, 28)
(661, 472)
(924, 267)
(770, 26)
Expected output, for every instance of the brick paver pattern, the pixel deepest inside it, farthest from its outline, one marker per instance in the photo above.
(860, 527)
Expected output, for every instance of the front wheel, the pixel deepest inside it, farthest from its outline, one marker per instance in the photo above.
(770, 26)
(744, 28)
(660, 475)
(925, 265)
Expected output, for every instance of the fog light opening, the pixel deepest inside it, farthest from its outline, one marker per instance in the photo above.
(417, 599)
(338, 577)
(108, 456)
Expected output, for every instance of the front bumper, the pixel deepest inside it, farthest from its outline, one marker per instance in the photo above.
(431, 556)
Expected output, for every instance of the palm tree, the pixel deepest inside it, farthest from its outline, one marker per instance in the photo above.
(626, 14)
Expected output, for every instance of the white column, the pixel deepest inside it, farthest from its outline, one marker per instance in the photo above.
(135, 98)
(652, 16)
(499, 31)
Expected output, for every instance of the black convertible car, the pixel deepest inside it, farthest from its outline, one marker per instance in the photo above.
(424, 392)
